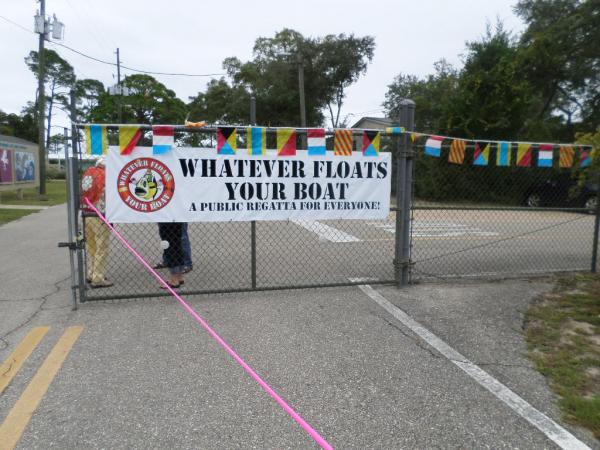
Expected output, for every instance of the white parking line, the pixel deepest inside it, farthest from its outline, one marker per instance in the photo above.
(436, 229)
(551, 429)
(325, 232)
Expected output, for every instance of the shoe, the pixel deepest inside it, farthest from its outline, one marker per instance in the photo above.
(172, 286)
(102, 284)
(188, 269)
(89, 280)
(159, 266)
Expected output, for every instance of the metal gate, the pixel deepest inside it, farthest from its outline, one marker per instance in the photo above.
(463, 235)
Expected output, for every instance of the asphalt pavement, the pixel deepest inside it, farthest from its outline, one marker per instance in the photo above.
(143, 374)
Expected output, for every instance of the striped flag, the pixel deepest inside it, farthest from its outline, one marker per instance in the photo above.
(163, 139)
(316, 141)
(286, 142)
(545, 155)
(457, 151)
(394, 130)
(524, 154)
(503, 154)
(226, 140)
(567, 154)
(481, 156)
(371, 143)
(433, 146)
(585, 158)
(257, 140)
(342, 143)
(96, 142)
(128, 139)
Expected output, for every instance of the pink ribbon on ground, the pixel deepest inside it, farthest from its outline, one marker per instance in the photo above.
(287, 408)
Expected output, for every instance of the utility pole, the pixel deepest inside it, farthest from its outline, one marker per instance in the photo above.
(42, 103)
(301, 92)
(119, 89)
(43, 27)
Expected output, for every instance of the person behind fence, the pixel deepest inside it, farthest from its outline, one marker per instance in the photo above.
(188, 265)
(171, 234)
(96, 232)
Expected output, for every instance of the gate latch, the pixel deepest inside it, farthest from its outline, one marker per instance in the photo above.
(70, 245)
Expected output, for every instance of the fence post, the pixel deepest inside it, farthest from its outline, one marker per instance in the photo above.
(596, 227)
(74, 184)
(404, 169)
(253, 223)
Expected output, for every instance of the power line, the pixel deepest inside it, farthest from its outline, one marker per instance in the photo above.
(149, 72)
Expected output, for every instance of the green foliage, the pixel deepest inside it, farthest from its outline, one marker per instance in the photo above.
(149, 102)
(22, 126)
(560, 57)
(433, 96)
(330, 64)
(54, 173)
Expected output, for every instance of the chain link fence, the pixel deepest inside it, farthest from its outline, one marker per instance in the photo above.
(490, 221)
(451, 221)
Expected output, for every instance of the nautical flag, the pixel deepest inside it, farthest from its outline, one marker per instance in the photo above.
(371, 143)
(163, 139)
(503, 154)
(481, 157)
(545, 155)
(567, 155)
(128, 139)
(585, 158)
(342, 143)
(414, 136)
(257, 140)
(286, 141)
(457, 151)
(96, 142)
(433, 146)
(226, 140)
(394, 130)
(524, 152)
(316, 141)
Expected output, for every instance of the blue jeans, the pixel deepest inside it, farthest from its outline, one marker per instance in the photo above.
(185, 247)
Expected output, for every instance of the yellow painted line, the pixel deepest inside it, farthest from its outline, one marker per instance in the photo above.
(15, 423)
(13, 363)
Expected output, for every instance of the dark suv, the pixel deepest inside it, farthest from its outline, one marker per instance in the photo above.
(562, 192)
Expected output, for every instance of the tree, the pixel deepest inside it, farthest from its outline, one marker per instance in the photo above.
(433, 95)
(59, 77)
(493, 97)
(221, 103)
(561, 58)
(330, 65)
(22, 126)
(148, 102)
(87, 93)
(341, 61)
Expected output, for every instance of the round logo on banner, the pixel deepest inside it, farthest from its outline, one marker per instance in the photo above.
(146, 184)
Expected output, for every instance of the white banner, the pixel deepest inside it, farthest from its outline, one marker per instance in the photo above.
(198, 185)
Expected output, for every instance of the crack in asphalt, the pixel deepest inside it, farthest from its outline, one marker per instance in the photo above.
(39, 308)
(420, 344)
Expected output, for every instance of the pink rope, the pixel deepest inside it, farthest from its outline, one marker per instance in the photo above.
(288, 409)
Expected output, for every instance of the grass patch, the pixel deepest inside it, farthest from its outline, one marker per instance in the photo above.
(563, 337)
(56, 191)
(7, 215)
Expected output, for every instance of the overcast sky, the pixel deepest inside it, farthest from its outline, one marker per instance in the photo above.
(194, 37)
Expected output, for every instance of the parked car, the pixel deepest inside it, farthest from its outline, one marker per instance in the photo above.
(562, 192)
